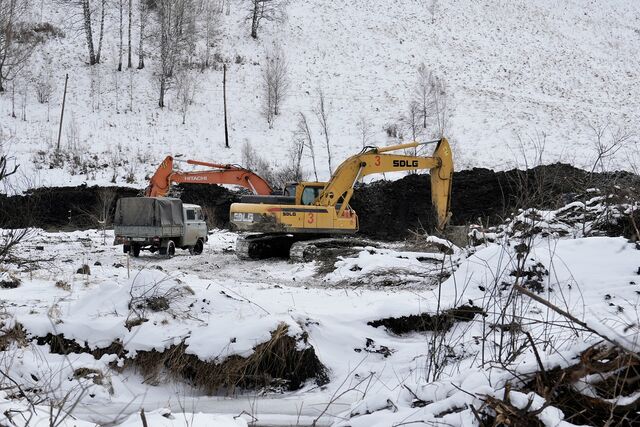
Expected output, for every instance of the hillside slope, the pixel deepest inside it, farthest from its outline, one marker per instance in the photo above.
(515, 70)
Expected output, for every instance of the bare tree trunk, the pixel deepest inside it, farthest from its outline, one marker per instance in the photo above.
(323, 118)
(162, 91)
(143, 18)
(120, 48)
(86, 12)
(102, 12)
(255, 19)
(129, 64)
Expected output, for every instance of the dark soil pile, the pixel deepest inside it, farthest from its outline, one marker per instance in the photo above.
(60, 207)
(390, 209)
(425, 322)
(81, 207)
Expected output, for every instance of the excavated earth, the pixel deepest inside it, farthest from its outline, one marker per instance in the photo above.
(388, 210)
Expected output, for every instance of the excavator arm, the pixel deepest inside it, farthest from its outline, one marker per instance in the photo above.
(378, 160)
(165, 175)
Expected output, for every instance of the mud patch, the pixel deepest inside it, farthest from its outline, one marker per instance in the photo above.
(426, 322)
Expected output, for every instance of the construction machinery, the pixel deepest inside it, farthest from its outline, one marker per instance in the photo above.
(312, 210)
(165, 175)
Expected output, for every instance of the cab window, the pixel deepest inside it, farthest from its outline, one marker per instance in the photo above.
(309, 194)
(191, 215)
(290, 190)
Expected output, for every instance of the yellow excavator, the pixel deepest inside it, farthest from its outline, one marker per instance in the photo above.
(312, 210)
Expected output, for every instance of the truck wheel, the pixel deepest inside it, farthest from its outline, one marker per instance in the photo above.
(197, 248)
(135, 250)
(125, 249)
(171, 249)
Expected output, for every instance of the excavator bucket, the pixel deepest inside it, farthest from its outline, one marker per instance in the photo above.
(441, 178)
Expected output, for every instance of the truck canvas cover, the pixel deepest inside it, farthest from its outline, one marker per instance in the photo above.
(148, 211)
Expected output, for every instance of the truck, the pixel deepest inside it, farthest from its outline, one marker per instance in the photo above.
(159, 224)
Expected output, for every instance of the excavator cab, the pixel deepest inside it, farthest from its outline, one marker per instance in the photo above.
(305, 193)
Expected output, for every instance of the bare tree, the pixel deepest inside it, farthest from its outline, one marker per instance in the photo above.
(120, 46)
(143, 12)
(15, 49)
(103, 4)
(187, 86)
(130, 10)
(212, 15)
(276, 83)
(322, 113)
(413, 120)
(607, 143)
(86, 14)
(173, 16)
(432, 101)
(364, 130)
(423, 93)
(267, 10)
(304, 133)
(9, 237)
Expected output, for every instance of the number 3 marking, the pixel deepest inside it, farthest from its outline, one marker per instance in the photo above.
(310, 219)
(377, 161)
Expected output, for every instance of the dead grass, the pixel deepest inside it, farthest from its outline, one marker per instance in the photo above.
(277, 363)
(13, 334)
(587, 392)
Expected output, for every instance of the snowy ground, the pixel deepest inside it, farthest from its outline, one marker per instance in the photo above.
(230, 306)
(515, 70)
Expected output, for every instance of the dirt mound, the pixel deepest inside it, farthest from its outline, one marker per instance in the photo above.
(389, 209)
(61, 207)
(81, 207)
(426, 322)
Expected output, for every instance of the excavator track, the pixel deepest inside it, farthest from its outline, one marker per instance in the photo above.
(262, 246)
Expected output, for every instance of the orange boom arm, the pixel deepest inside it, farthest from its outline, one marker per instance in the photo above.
(165, 175)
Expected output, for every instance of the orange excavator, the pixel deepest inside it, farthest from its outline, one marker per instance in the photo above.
(165, 175)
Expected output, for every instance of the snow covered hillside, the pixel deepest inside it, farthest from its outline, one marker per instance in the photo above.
(515, 70)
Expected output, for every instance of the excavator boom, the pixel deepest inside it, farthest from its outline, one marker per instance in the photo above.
(165, 175)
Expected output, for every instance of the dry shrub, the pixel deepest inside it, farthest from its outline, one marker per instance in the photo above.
(585, 392)
(275, 363)
(14, 334)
